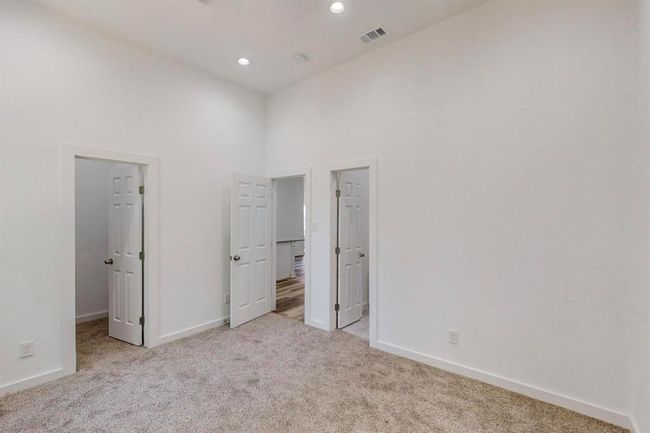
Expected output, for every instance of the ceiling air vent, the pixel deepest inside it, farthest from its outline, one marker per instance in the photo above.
(373, 35)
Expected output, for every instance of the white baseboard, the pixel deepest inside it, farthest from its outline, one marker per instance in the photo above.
(590, 410)
(167, 338)
(32, 381)
(634, 428)
(317, 324)
(91, 316)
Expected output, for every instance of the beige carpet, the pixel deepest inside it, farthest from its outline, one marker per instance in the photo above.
(270, 375)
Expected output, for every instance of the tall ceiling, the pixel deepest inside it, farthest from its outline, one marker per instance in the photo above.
(213, 34)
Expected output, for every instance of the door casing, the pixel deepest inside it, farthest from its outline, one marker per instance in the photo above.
(151, 180)
(373, 295)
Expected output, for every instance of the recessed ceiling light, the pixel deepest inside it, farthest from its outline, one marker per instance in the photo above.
(244, 61)
(337, 7)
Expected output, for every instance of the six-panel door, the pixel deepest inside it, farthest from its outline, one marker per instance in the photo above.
(351, 256)
(251, 230)
(125, 244)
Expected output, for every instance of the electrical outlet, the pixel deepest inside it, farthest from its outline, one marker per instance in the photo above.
(27, 349)
(453, 337)
(228, 298)
(314, 227)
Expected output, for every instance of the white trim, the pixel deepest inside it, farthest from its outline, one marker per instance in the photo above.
(91, 316)
(373, 292)
(32, 381)
(274, 245)
(151, 169)
(318, 324)
(305, 173)
(576, 405)
(634, 426)
(168, 338)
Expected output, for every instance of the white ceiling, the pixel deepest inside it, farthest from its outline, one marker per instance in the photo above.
(213, 34)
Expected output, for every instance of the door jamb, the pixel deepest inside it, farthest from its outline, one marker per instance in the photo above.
(150, 167)
(305, 173)
(373, 292)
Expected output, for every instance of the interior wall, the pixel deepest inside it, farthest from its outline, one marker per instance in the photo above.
(509, 174)
(639, 384)
(290, 210)
(91, 237)
(64, 83)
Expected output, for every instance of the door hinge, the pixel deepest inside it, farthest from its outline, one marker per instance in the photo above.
(142, 320)
(141, 255)
(337, 250)
(338, 193)
(337, 307)
(141, 189)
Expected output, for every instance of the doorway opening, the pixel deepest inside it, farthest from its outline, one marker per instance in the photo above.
(290, 229)
(253, 235)
(352, 236)
(109, 258)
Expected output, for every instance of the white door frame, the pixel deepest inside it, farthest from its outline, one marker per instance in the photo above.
(373, 293)
(151, 178)
(305, 173)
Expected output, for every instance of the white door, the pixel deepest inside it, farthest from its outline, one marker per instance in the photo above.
(250, 248)
(351, 253)
(125, 244)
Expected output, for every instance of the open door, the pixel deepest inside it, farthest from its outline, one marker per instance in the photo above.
(351, 254)
(125, 244)
(250, 239)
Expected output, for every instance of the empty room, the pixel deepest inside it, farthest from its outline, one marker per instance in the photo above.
(325, 216)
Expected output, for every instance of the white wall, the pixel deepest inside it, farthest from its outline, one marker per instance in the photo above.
(509, 181)
(62, 83)
(91, 237)
(290, 213)
(639, 384)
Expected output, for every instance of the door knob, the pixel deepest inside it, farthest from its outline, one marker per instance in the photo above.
(362, 254)
(108, 262)
(235, 258)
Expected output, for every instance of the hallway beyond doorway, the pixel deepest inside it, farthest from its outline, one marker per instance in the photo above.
(290, 293)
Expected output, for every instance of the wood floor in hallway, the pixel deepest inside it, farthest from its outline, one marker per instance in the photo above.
(290, 293)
